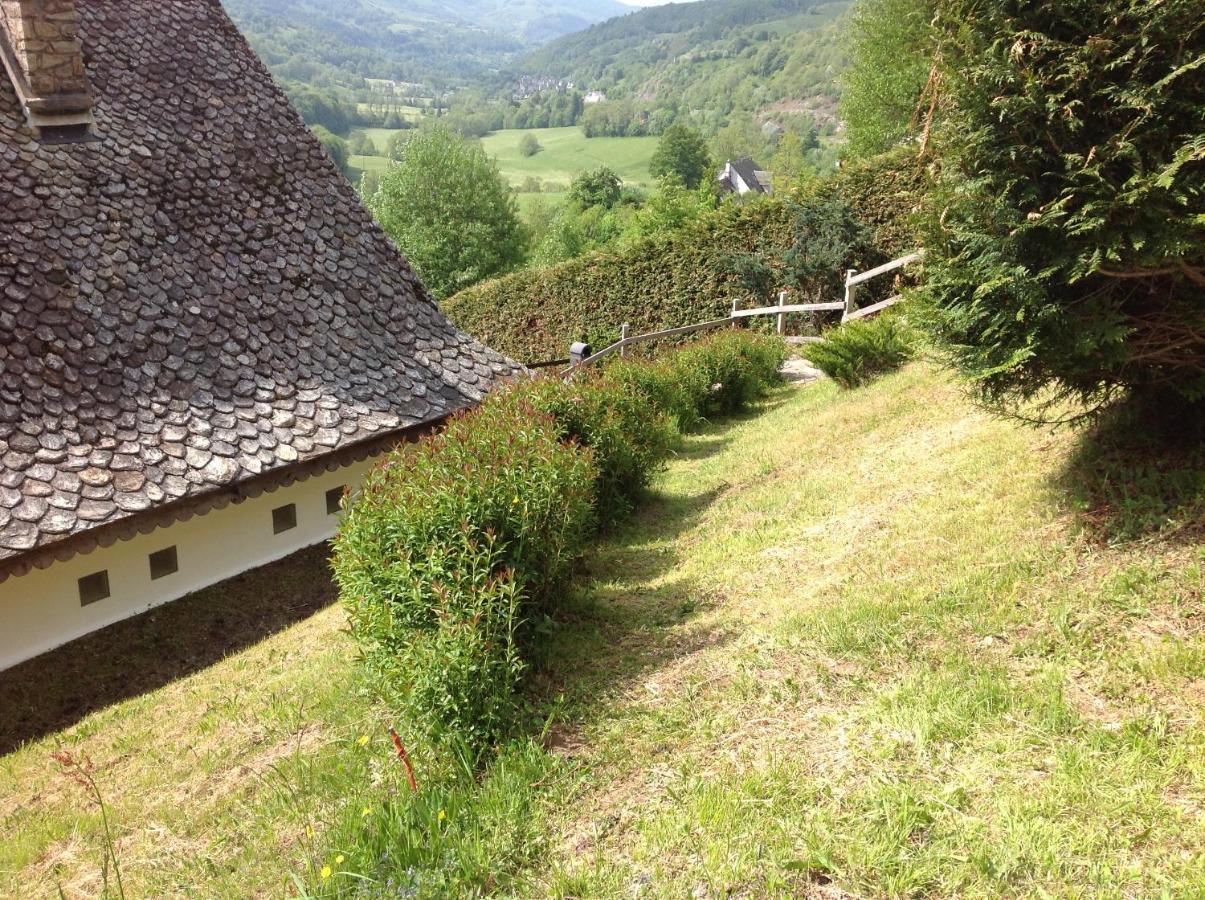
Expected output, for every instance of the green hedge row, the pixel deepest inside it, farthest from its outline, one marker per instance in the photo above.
(677, 278)
(459, 542)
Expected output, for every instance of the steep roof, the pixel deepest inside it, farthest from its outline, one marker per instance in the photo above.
(751, 173)
(195, 303)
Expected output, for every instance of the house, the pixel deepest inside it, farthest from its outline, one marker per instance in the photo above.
(593, 97)
(204, 338)
(743, 176)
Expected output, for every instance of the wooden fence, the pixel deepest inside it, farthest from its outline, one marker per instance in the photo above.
(848, 308)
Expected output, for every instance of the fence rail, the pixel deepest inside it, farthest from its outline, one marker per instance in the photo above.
(847, 306)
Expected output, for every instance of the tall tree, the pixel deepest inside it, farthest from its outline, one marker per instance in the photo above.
(449, 210)
(681, 153)
(1065, 239)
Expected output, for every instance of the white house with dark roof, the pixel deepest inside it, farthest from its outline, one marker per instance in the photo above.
(744, 176)
(204, 337)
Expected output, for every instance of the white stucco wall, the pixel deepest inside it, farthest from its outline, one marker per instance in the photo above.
(42, 610)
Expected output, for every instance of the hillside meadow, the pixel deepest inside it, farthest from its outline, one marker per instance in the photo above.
(564, 153)
(857, 643)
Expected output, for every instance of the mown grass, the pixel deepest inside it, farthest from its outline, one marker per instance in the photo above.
(863, 641)
(866, 643)
(566, 151)
(218, 782)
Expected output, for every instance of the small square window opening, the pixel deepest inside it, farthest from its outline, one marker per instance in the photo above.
(164, 562)
(284, 518)
(94, 587)
(334, 500)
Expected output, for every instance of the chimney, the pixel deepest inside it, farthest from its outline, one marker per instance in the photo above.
(40, 47)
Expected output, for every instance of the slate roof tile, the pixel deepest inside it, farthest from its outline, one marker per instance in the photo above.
(197, 297)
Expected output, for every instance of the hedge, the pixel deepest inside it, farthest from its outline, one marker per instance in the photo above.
(677, 278)
(458, 544)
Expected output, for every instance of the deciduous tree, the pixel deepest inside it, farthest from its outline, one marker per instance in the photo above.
(449, 210)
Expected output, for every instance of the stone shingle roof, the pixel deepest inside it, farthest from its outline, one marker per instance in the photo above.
(195, 300)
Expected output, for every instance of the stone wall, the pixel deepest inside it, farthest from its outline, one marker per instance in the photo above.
(43, 36)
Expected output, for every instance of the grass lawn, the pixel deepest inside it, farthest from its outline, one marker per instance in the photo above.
(566, 151)
(861, 643)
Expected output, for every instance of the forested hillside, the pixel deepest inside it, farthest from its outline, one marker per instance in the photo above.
(433, 42)
(714, 56)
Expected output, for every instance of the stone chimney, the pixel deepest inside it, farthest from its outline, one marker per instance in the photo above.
(40, 47)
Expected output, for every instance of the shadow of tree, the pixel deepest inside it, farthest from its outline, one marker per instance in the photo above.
(1130, 479)
(146, 652)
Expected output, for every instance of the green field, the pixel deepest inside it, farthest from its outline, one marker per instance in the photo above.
(566, 151)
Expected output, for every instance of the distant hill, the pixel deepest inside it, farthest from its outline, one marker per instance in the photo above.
(435, 42)
(716, 55)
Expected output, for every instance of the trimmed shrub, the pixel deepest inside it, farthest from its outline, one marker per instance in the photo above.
(451, 545)
(682, 276)
(679, 395)
(458, 542)
(629, 440)
(862, 350)
(737, 366)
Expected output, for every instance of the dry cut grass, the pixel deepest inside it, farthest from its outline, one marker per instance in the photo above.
(862, 645)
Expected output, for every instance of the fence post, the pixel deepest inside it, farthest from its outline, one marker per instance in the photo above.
(849, 294)
(734, 309)
(782, 317)
(623, 336)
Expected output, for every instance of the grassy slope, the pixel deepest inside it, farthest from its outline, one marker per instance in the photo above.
(214, 782)
(858, 638)
(861, 640)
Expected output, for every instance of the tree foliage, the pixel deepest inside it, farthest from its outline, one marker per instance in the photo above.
(529, 145)
(890, 44)
(682, 154)
(449, 210)
(1066, 236)
(597, 187)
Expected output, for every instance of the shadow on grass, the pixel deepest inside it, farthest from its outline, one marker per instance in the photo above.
(1132, 477)
(138, 655)
(627, 619)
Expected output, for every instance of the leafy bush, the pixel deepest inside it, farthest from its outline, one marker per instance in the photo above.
(1066, 242)
(449, 547)
(669, 390)
(681, 276)
(629, 441)
(458, 542)
(736, 366)
(721, 373)
(861, 350)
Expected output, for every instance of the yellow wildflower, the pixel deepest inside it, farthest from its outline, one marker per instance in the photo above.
(362, 740)
(442, 815)
(365, 811)
(339, 859)
(326, 872)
